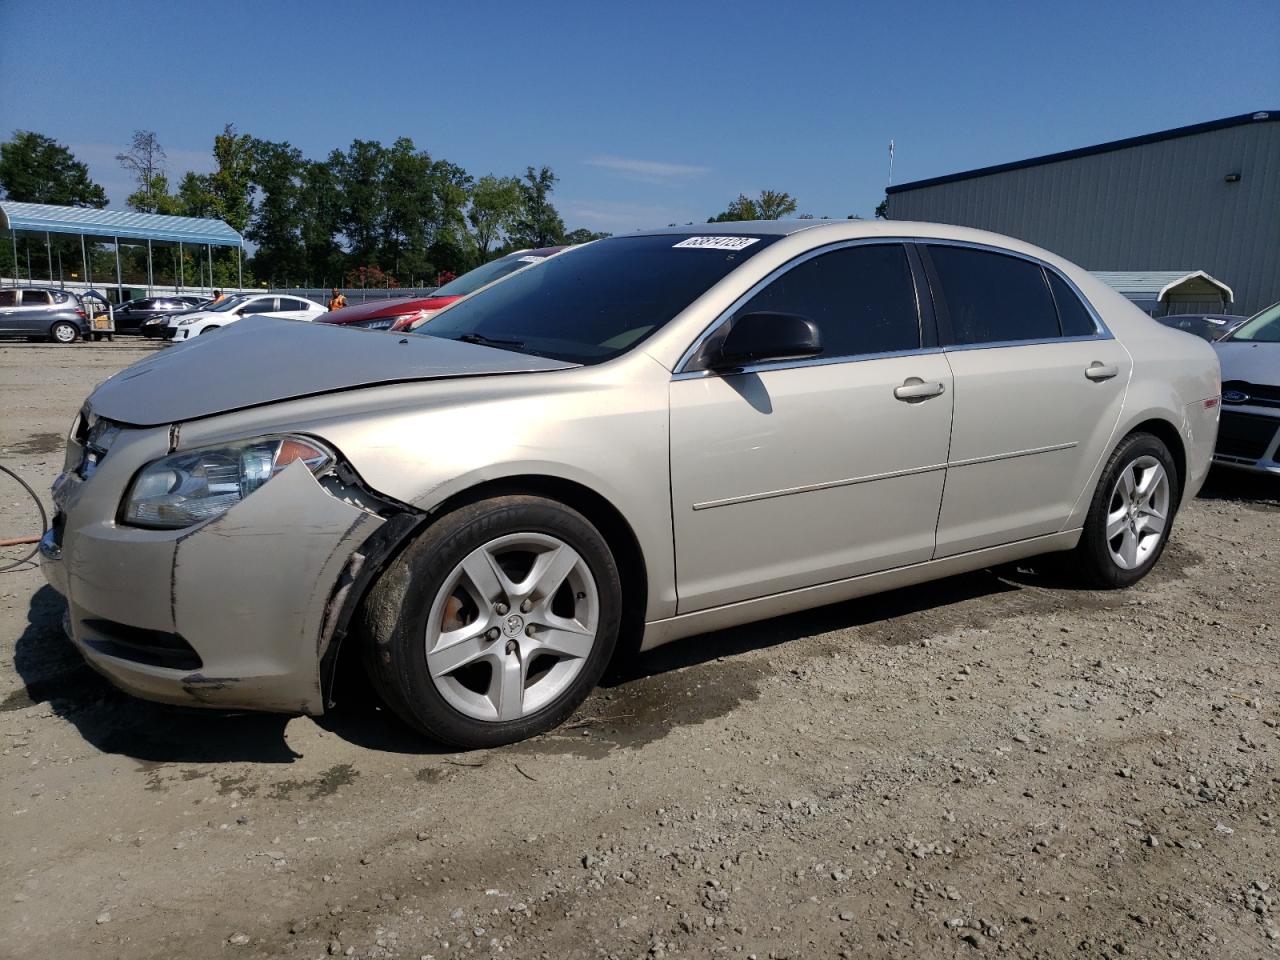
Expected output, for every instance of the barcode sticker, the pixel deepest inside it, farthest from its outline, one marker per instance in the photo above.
(716, 243)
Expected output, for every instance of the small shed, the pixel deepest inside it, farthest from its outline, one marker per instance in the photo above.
(1164, 292)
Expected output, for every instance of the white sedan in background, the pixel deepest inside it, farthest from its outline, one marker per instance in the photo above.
(188, 325)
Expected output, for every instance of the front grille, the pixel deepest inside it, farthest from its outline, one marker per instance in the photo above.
(1244, 435)
(1257, 394)
(156, 648)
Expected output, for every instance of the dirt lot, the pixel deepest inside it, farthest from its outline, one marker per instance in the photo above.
(993, 763)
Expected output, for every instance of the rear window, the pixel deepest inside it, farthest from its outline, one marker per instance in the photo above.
(598, 301)
(473, 280)
(994, 298)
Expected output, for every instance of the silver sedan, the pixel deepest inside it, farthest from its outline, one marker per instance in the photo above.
(638, 441)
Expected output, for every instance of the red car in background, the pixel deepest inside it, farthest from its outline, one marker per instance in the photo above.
(399, 313)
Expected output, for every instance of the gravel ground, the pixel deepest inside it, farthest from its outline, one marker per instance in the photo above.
(994, 763)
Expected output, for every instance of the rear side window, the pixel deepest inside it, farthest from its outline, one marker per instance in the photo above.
(288, 304)
(862, 299)
(35, 298)
(1072, 314)
(993, 298)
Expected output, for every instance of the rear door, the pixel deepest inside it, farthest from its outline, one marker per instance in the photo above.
(294, 308)
(1039, 383)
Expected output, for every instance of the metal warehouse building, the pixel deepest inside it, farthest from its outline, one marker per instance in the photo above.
(1199, 198)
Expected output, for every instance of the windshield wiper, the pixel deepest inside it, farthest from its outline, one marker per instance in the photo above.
(482, 340)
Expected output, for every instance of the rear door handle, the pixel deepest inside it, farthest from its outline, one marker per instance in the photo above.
(1101, 371)
(913, 388)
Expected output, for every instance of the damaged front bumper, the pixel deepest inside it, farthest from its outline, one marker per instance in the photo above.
(237, 612)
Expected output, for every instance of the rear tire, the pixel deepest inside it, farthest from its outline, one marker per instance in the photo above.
(63, 332)
(1131, 515)
(489, 574)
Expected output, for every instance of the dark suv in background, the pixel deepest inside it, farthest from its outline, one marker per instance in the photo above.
(39, 312)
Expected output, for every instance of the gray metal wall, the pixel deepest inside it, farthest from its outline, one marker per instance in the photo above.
(1156, 206)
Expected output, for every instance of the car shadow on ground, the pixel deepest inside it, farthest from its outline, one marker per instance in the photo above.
(1254, 490)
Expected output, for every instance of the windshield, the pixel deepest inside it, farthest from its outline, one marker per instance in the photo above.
(473, 280)
(598, 301)
(1262, 327)
(228, 304)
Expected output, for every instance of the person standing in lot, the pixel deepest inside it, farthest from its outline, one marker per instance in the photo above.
(218, 296)
(337, 301)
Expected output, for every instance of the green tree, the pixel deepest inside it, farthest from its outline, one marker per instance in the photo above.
(583, 235)
(359, 173)
(37, 169)
(538, 224)
(321, 206)
(195, 196)
(770, 205)
(882, 209)
(276, 226)
(495, 204)
(231, 183)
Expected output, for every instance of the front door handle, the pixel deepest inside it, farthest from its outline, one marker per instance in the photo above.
(1101, 371)
(913, 389)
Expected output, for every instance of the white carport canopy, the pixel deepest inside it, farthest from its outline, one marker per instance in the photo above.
(1156, 289)
(117, 226)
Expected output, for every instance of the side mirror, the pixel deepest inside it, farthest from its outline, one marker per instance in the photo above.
(757, 337)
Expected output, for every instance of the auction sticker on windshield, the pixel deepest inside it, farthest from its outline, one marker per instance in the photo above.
(531, 259)
(717, 243)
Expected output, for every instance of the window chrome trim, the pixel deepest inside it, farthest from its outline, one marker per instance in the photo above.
(719, 321)
(1103, 332)
(808, 362)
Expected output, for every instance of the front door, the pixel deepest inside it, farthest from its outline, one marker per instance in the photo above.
(797, 473)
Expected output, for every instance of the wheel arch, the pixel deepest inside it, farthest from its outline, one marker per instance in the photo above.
(1164, 431)
(390, 541)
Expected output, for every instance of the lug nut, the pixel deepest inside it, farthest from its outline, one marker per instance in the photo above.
(500, 608)
(530, 630)
(493, 633)
(512, 647)
(526, 606)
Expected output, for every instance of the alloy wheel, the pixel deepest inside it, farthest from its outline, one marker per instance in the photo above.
(512, 626)
(1138, 512)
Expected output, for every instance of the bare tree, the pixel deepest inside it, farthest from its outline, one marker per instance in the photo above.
(145, 159)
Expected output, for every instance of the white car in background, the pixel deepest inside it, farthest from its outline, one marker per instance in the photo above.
(188, 325)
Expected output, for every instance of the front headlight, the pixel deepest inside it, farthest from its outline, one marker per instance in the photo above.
(191, 319)
(189, 488)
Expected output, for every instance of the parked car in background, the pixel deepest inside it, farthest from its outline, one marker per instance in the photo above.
(131, 315)
(647, 437)
(187, 325)
(1206, 326)
(41, 312)
(1249, 435)
(402, 312)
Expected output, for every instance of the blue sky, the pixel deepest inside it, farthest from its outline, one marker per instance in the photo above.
(650, 113)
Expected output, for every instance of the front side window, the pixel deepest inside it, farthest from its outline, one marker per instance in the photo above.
(144, 304)
(862, 299)
(1263, 327)
(994, 298)
(598, 301)
(8, 298)
(35, 298)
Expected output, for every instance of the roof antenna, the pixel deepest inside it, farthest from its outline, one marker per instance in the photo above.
(891, 162)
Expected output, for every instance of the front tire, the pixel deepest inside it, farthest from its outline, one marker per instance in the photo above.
(495, 624)
(1131, 515)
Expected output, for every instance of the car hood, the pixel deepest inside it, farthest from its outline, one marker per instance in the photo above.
(1249, 360)
(260, 360)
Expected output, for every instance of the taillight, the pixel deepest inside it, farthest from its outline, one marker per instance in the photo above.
(82, 315)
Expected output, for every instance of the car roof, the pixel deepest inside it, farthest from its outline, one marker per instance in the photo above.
(767, 228)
